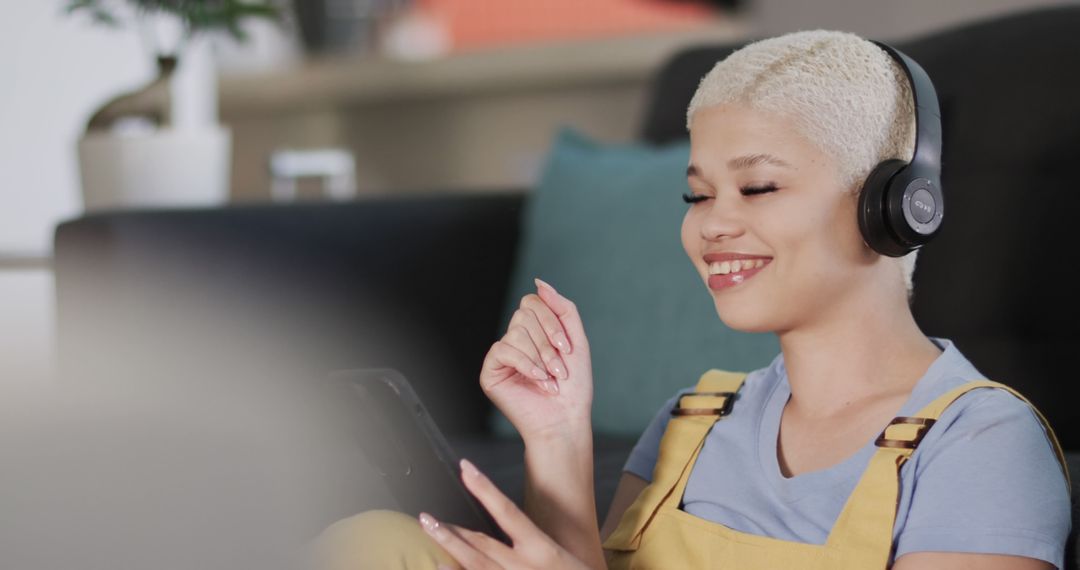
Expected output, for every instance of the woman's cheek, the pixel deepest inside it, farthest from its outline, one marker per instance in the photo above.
(689, 235)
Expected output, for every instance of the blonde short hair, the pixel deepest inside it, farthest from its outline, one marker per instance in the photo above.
(843, 92)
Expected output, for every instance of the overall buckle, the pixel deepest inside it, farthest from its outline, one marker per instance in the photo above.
(729, 402)
(923, 423)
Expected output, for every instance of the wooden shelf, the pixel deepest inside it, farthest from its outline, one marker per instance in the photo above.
(346, 81)
(479, 120)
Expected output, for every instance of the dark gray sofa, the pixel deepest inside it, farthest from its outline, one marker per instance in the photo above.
(419, 282)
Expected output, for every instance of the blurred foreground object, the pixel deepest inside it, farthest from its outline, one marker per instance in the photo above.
(236, 473)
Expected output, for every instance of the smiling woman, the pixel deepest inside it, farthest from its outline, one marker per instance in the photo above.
(806, 470)
(864, 445)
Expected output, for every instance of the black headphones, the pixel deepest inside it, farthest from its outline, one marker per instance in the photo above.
(900, 204)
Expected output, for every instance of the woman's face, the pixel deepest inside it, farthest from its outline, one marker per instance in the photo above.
(802, 226)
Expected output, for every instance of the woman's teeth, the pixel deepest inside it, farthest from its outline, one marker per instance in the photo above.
(725, 267)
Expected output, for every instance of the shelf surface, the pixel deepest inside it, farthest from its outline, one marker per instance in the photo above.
(358, 80)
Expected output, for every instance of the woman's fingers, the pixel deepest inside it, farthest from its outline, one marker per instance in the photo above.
(548, 320)
(462, 551)
(527, 318)
(518, 337)
(498, 552)
(474, 550)
(537, 329)
(565, 310)
(504, 354)
(508, 516)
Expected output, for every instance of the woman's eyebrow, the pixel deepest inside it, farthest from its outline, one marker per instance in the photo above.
(743, 162)
(751, 160)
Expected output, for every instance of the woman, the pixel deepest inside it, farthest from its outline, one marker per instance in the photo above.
(783, 134)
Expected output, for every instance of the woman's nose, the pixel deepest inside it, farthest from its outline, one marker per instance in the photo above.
(722, 221)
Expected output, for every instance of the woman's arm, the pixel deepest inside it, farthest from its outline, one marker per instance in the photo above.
(559, 492)
(630, 486)
(965, 561)
(553, 415)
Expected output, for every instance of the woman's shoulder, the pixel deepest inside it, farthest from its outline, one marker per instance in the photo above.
(973, 407)
(988, 422)
(986, 468)
(755, 383)
(982, 405)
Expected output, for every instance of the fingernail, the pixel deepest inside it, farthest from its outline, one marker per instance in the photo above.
(562, 343)
(557, 368)
(541, 283)
(538, 373)
(432, 527)
(551, 386)
(429, 523)
(468, 468)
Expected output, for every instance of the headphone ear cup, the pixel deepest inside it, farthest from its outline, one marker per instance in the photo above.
(873, 215)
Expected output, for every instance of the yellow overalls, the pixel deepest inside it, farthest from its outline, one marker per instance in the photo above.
(654, 533)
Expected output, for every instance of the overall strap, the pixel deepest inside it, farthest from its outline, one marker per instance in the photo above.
(692, 417)
(864, 529)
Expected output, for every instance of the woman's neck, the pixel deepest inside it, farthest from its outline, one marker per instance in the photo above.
(839, 363)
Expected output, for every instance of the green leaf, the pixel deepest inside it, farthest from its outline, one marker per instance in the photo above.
(196, 15)
(96, 11)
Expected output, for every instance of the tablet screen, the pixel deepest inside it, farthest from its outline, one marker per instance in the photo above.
(401, 441)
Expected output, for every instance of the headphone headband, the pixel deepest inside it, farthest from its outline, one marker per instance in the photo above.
(927, 158)
(901, 206)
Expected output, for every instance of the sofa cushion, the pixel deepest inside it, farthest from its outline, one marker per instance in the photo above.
(603, 227)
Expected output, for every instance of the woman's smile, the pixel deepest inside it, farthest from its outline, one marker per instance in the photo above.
(728, 270)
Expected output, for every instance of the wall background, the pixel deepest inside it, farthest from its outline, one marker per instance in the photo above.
(53, 72)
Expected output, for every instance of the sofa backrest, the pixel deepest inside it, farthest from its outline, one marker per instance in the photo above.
(996, 280)
(169, 299)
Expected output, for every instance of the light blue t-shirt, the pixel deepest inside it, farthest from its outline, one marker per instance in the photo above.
(987, 478)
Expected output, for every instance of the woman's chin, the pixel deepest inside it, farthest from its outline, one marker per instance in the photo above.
(744, 319)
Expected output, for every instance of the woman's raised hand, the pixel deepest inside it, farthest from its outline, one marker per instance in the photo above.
(539, 374)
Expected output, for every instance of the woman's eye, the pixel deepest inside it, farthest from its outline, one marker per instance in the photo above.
(693, 198)
(745, 191)
(762, 189)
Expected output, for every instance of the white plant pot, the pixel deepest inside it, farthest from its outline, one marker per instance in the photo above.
(167, 168)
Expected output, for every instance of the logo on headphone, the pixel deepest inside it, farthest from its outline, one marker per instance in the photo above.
(924, 206)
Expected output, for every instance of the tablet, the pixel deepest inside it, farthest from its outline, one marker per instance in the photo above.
(403, 444)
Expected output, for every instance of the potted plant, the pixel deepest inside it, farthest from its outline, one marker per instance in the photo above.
(161, 145)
